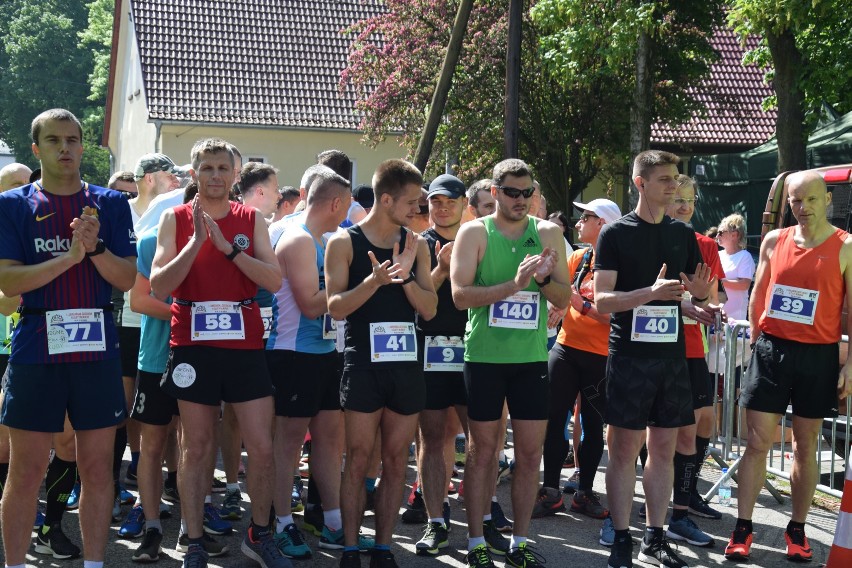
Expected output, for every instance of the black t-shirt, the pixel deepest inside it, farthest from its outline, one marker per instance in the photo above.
(448, 320)
(637, 250)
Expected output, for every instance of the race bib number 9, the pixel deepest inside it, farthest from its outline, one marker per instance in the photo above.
(74, 331)
(655, 324)
(217, 320)
(793, 304)
(443, 353)
(266, 318)
(392, 341)
(518, 311)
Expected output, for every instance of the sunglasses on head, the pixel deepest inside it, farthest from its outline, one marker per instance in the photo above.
(514, 192)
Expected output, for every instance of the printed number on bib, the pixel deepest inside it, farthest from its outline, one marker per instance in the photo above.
(74, 331)
(217, 320)
(329, 327)
(442, 353)
(266, 318)
(655, 324)
(518, 311)
(392, 341)
(793, 304)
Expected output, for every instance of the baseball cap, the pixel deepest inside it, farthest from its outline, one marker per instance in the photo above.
(446, 184)
(603, 208)
(150, 163)
(364, 195)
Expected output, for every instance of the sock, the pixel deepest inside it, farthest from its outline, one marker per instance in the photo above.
(283, 521)
(333, 520)
(258, 531)
(652, 533)
(793, 525)
(370, 483)
(684, 468)
(59, 481)
(118, 451)
(678, 514)
(232, 487)
(517, 541)
(473, 542)
(701, 445)
(744, 524)
(313, 492)
(208, 500)
(134, 460)
(622, 536)
(92, 564)
(155, 524)
(183, 526)
(4, 474)
(493, 499)
(447, 500)
(16, 566)
(171, 479)
(439, 520)
(486, 518)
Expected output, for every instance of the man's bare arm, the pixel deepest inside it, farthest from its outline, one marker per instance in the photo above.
(762, 276)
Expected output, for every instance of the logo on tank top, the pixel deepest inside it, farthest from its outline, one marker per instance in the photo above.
(530, 242)
(241, 241)
(55, 246)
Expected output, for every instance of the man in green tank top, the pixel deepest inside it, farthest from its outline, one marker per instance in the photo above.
(504, 270)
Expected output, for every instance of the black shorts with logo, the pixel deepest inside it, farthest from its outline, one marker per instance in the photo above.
(305, 383)
(152, 405)
(702, 383)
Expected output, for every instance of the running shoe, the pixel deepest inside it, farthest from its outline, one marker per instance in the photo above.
(130, 477)
(415, 491)
(382, 559)
(291, 544)
(333, 540)
(621, 555)
(588, 503)
(125, 496)
(739, 547)
(496, 542)
(134, 525)
(607, 535)
(700, 507)
(435, 537)
(549, 502)
(218, 486)
(212, 547)
(195, 557)
(798, 548)
(296, 504)
(314, 520)
(171, 494)
(479, 558)
(150, 549)
(573, 483)
(73, 498)
(213, 523)
(230, 508)
(686, 529)
(501, 523)
(660, 552)
(51, 540)
(39, 518)
(525, 556)
(415, 514)
(263, 550)
(351, 559)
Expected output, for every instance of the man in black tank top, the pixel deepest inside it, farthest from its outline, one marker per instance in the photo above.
(377, 277)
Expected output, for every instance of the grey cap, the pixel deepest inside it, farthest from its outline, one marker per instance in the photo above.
(151, 163)
(446, 184)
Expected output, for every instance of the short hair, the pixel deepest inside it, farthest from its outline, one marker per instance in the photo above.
(510, 167)
(53, 114)
(287, 193)
(734, 222)
(475, 188)
(683, 179)
(310, 173)
(121, 175)
(337, 161)
(209, 146)
(393, 175)
(253, 173)
(235, 151)
(649, 159)
(326, 186)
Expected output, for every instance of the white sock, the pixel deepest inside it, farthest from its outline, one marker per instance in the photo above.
(183, 526)
(155, 524)
(333, 520)
(208, 500)
(283, 521)
(486, 518)
(439, 520)
(493, 498)
(93, 564)
(16, 566)
(473, 542)
(517, 541)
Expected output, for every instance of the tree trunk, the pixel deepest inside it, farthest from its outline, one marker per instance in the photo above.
(641, 110)
(513, 80)
(790, 129)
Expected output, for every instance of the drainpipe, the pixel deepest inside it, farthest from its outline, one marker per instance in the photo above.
(158, 124)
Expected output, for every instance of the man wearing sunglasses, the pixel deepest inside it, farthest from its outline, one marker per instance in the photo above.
(504, 269)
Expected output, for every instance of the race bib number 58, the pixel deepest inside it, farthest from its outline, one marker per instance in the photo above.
(217, 320)
(392, 341)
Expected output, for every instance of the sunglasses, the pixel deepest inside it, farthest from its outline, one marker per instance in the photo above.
(514, 192)
(586, 216)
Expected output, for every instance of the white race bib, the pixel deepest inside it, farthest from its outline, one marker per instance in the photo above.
(329, 327)
(392, 341)
(443, 353)
(793, 304)
(217, 320)
(76, 330)
(266, 318)
(655, 324)
(518, 311)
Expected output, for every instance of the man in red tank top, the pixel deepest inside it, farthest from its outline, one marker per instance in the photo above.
(795, 313)
(212, 254)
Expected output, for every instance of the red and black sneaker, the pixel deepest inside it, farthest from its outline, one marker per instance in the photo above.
(739, 547)
(798, 548)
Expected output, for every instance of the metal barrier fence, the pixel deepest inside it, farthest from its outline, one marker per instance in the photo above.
(727, 446)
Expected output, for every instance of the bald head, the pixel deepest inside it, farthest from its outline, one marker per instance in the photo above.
(14, 175)
(804, 179)
(808, 198)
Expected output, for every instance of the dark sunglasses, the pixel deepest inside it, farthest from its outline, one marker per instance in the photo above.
(514, 192)
(586, 216)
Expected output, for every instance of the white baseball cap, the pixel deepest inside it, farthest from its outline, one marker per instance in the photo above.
(603, 208)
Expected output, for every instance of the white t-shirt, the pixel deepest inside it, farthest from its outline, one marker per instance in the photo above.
(739, 265)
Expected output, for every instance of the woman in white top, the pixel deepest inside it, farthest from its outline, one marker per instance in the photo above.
(737, 263)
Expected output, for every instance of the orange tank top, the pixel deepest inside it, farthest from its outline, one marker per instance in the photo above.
(804, 300)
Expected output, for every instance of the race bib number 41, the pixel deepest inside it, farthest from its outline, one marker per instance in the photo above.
(73, 331)
(518, 311)
(217, 320)
(443, 353)
(392, 341)
(793, 304)
(655, 324)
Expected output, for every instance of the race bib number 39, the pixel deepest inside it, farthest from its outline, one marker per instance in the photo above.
(73, 331)
(443, 353)
(655, 324)
(266, 318)
(392, 341)
(518, 311)
(217, 320)
(793, 304)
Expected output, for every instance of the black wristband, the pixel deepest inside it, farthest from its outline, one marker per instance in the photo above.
(233, 253)
(409, 279)
(544, 282)
(100, 248)
(698, 300)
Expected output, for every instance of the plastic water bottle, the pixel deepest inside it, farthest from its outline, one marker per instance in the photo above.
(725, 489)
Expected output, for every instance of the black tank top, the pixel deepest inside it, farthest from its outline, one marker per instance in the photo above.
(449, 320)
(388, 304)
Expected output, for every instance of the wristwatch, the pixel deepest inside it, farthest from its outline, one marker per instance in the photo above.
(587, 305)
(409, 279)
(544, 282)
(233, 254)
(100, 248)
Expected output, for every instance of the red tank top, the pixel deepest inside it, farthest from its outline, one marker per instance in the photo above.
(692, 332)
(215, 278)
(818, 294)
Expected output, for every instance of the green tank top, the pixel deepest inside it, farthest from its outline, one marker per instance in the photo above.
(513, 330)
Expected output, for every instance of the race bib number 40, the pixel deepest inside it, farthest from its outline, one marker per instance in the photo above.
(392, 341)
(442, 353)
(217, 320)
(518, 311)
(655, 324)
(73, 331)
(793, 304)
